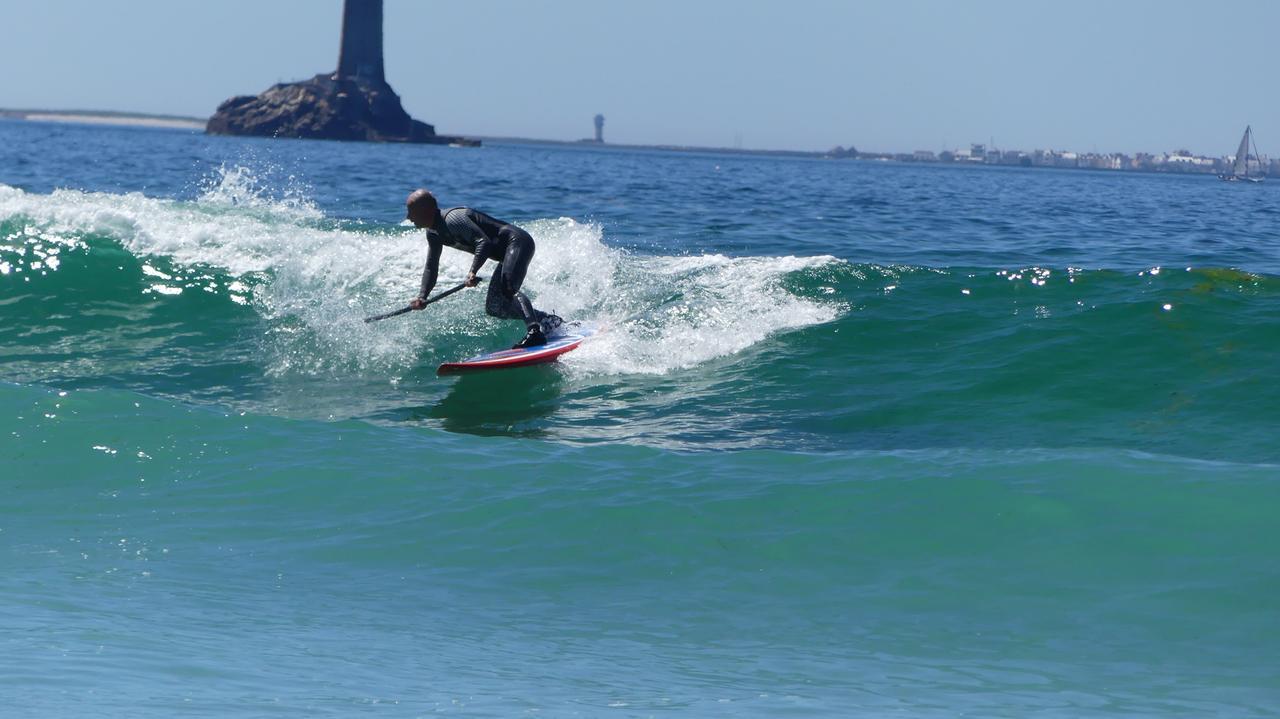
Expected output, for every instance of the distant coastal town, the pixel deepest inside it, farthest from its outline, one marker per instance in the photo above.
(1181, 161)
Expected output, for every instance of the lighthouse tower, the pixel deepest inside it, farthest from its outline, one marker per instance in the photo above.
(353, 103)
(361, 55)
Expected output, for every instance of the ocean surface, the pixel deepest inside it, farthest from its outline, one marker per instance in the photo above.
(859, 439)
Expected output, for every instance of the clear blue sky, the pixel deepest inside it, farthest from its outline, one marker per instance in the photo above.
(900, 75)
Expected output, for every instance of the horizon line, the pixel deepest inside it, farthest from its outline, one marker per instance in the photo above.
(106, 115)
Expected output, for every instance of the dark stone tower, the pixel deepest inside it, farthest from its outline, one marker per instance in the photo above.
(353, 103)
(361, 55)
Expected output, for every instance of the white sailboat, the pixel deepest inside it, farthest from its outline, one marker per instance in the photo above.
(1240, 168)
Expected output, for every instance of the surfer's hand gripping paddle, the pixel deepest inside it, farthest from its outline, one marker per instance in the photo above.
(410, 308)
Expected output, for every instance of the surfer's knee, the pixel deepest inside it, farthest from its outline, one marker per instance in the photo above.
(500, 306)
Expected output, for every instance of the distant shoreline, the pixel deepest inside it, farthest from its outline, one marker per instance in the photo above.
(137, 119)
(179, 122)
(100, 117)
(869, 158)
(589, 144)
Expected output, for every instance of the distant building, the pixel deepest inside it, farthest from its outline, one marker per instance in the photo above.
(1101, 162)
(600, 128)
(1015, 157)
(1184, 159)
(978, 153)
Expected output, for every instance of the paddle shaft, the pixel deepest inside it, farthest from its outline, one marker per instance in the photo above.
(403, 310)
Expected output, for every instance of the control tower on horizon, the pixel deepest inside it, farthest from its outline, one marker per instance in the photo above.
(600, 129)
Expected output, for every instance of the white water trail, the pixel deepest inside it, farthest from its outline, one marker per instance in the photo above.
(314, 279)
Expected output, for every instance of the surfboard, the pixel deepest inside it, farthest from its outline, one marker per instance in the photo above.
(557, 344)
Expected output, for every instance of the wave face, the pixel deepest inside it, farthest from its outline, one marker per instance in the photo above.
(259, 304)
(152, 289)
(856, 440)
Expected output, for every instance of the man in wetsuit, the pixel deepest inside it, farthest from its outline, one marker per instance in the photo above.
(487, 238)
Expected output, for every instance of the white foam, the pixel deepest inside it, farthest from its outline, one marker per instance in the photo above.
(240, 187)
(664, 313)
(717, 306)
(314, 280)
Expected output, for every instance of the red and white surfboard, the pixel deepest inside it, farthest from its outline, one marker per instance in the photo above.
(557, 345)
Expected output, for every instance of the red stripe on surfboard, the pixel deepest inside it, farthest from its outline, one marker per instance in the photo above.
(509, 358)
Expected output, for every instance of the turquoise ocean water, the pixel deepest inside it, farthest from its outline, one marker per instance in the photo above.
(860, 439)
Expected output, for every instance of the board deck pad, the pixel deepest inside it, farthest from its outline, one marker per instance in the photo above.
(565, 339)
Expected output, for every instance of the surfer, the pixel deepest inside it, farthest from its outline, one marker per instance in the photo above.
(486, 238)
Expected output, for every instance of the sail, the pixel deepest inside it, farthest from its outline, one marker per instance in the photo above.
(1241, 166)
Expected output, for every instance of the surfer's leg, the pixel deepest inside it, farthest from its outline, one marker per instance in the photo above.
(497, 303)
(520, 253)
(505, 299)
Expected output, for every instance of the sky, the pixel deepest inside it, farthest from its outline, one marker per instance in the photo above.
(893, 75)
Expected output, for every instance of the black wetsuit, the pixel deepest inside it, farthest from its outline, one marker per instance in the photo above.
(487, 238)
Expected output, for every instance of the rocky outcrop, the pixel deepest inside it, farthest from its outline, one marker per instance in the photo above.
(325, 107)
(354, 103)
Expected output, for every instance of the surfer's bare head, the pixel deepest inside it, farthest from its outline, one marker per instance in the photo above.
(421, 208)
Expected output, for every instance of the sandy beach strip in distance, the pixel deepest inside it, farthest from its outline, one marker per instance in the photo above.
(104, 119)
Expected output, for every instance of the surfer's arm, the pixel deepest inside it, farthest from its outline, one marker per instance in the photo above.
(482, 254)
(483, 244)
(432, 270)
(462, 226)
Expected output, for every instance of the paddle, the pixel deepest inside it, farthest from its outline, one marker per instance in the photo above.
(402, 310)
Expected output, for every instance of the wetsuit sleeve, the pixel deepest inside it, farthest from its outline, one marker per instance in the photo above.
(482, 254)
(462, 225)
(432, 270)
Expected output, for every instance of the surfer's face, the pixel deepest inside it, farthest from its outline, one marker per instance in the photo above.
(421, 214)
(421, 218)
